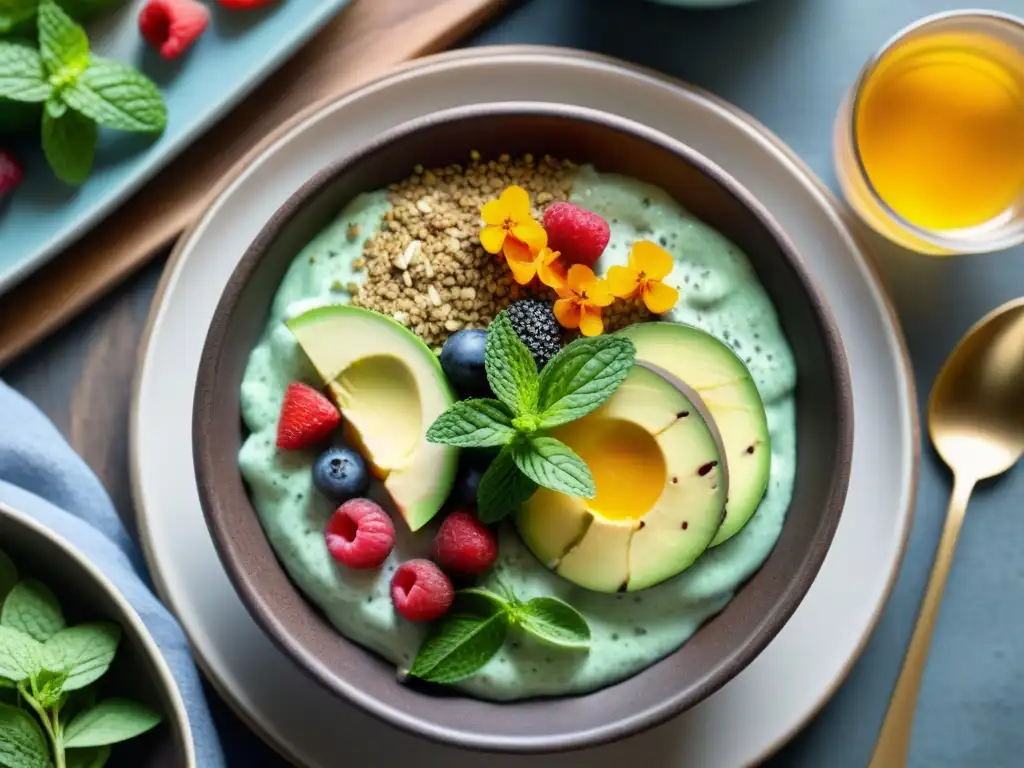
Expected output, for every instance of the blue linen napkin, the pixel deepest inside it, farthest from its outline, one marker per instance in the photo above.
(41, 476)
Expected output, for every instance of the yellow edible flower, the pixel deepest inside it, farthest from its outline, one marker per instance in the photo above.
(581, 300)
(649, 264)
(508, 222)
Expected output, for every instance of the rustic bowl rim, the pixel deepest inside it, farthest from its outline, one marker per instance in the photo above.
(212, 501)
(129, 616)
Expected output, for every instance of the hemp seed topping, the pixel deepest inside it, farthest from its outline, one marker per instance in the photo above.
(425, 266)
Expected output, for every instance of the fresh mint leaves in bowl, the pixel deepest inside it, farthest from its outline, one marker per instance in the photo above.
(82, 682)
(402, 322)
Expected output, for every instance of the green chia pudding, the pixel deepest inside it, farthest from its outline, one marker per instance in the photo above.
(412, 251)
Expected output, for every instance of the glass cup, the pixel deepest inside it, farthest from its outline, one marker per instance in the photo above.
(929, 140)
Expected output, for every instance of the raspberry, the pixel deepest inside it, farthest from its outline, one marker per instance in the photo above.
(420, 591)
(171, 26)
(464, 545)
(578, 234)
(307, 418)
(10, 173)
(360, 534)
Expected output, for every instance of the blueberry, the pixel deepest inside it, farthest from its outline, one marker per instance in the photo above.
(340, 474)
(466, 483)
(462, 359)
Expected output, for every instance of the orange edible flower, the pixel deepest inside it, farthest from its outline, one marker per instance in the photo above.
(527, 263)
(649, 264)
(508, 222)
(581, 300)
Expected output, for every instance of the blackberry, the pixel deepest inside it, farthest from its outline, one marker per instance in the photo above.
(535, 324)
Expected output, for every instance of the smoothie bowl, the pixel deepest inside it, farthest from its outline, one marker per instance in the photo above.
(522, 428)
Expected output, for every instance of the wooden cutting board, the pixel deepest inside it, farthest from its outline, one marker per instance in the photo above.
(367, 39)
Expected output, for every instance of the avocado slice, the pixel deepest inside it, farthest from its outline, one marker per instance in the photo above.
(661, 488)
(390, 388)
(727, 388)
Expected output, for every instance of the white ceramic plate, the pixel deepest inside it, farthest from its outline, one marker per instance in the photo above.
(766, 703)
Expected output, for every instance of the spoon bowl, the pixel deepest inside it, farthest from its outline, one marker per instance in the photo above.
(976, 409)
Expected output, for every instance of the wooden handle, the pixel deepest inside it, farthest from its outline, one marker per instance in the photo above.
(893, 744)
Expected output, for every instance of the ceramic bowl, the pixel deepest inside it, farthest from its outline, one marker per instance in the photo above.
(724, 645)
(139, 671)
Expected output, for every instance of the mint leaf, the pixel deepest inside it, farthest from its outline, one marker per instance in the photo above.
(22, 74)
(117, 96)
(48, 687)
(473, 424)
(62, 43)
(582, 376)
(20, 655)
(88, 757)
(553, 464)
(22, 741)
(33, 609)
(511, 370)
(463, 641)
(69, 143)
(555, 622)
(8, 575)
(503, 488)
(109, 722)
(83, 652)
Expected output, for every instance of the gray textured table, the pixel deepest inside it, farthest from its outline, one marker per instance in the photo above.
(787, 62)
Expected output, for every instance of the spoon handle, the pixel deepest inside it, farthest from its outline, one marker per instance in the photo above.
(893, 744)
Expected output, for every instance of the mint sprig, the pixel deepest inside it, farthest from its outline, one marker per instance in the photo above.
(574, 383)
(81, 92)
(49, 714)
(476, 627)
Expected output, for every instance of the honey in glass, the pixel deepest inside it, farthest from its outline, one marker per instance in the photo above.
(930, 142)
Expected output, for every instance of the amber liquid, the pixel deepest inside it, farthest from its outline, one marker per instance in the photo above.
(939, 128)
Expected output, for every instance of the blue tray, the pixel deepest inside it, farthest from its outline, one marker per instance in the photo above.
(238, 50)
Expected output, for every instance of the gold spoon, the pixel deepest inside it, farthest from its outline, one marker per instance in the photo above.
(976, 421)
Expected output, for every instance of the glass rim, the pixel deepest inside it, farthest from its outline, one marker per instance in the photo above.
(933, 237)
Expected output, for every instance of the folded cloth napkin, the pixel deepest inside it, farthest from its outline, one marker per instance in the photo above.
(41, 476)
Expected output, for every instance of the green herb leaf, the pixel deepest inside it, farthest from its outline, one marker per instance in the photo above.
(109, 722)
(8, 575)
(463, 641)
(555, 622)
(503, 488)
(22, 741)
(473, 424)
(69, 143)
(22, 74)
(89, 757)
(20, 655)
(48, 687)
(117, 96)
(511, 371)
(553, 464)
(582, 376)
(62, 43)
(33, 609)
(84, 652)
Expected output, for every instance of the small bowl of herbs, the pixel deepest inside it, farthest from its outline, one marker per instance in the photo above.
(82, 682)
